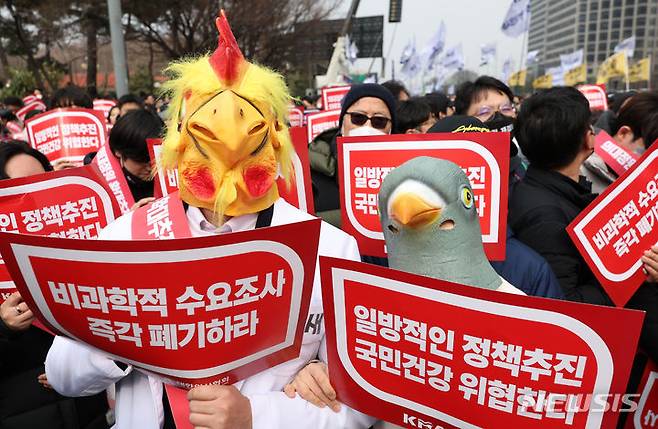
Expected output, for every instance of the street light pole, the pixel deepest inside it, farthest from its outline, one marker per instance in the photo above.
(118, 47)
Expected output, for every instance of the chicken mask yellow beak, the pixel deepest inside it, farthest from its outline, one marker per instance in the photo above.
(226, 134)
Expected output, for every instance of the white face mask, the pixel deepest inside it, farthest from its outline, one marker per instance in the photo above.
(365, 131)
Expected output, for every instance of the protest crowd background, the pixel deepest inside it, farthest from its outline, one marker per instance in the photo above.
(572, 130)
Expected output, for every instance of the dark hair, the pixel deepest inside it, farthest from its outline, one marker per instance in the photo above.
(12, 101)
(109, 112)
(617, 100)
(7, 115)
(11, 148)
(32, 113)
(438, 102)
(551, 126)
(129, 134)
(395, 87)
(129, 98)
(640, 113)
(411, 114)
(469, 93)
(70, 96)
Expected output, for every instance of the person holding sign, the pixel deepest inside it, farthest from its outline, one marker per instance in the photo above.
(431, 227)
(128, 143)
(634, 129)
(228, 139)
(26, 398)
(554, 132)
(367, 109)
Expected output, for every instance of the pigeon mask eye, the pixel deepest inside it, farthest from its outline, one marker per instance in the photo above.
(467, 197)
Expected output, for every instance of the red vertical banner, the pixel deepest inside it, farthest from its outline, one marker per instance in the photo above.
(615, 230)
(111, 169)
(332, 96)
(317, 123)
(365, 161)
(456, 356)
(299, 191)
(163, 219)
(166, 180)
(67, 134)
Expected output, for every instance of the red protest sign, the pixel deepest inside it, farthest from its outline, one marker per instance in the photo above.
(296, 116)
(317, 123)
(615, 230)
(365, 162)
(72, 203)
(163, 219)
(614, 155)
(455, 356)
(595, 94)
(104, 106)
(202, 310)
(67, 134)
(299, 193)
(109, 166)
(35, 104)
(29, 99)
(167, 179)
(646, 414)
(333, 96)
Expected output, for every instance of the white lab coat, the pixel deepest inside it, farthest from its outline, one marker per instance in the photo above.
(74, 369)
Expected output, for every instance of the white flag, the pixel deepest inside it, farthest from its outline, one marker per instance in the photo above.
(408, 51)
(487, 53)
(627, 45)
(351, 51)
(442, 75)
(436, 44)
(454, 58)
(558, 75)
(532, 58)
(517, 20)
(508, 67)
(412, 66)
(572, 60)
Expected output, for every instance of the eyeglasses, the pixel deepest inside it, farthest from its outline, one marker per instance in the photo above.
(359, 119)
(486, 112)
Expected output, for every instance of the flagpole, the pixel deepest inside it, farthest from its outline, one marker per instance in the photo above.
(627, 74)
(523, 48)
(649, 77)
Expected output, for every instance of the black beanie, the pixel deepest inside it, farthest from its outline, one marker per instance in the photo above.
(368, 90)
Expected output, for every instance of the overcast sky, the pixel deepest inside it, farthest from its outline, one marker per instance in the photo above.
(471, 22)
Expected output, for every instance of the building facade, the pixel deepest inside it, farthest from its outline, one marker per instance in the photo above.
(563, 26)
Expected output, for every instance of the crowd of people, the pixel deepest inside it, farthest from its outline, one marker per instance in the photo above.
(554, 176)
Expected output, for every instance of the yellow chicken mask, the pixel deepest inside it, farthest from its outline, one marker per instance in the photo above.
(226, 132)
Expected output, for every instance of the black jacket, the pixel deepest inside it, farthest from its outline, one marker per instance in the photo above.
(541, 206)
(24, 403)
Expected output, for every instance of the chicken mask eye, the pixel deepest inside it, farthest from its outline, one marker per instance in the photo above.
(467, 197)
